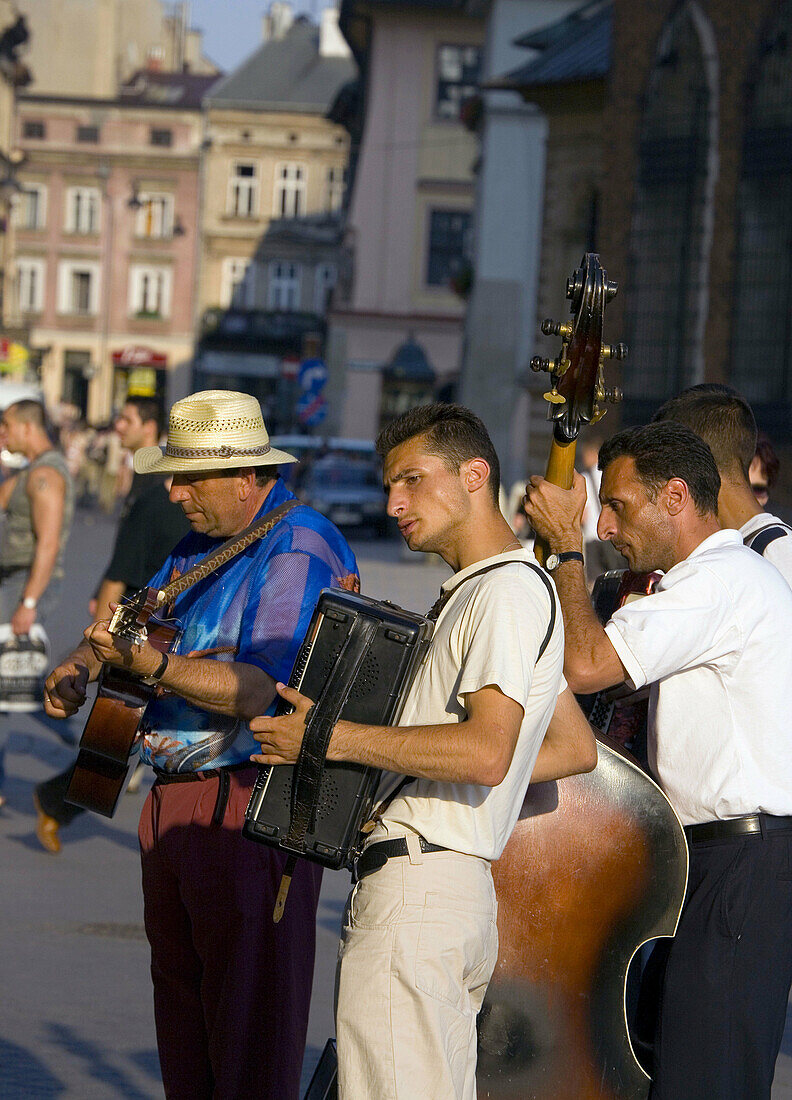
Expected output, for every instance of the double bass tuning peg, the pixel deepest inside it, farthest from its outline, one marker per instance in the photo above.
(556, 328)
(614, 351)
(539, 364)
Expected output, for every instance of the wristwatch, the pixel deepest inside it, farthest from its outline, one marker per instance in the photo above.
(554, 560)
(30, 603)
(157, 674)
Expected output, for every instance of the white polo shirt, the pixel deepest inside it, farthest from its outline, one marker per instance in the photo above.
(489, 632)
(714, 641)
(779, 551)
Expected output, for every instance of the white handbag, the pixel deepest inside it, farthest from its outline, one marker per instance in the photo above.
(24, 662)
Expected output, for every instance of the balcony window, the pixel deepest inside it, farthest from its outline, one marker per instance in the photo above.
(154, 218)
(284, 286)
(30, 211)
(78, 288)
(30, 285)
(83, 205)
(149, 291)
(243, 190)
(289, 190)
(458, 69)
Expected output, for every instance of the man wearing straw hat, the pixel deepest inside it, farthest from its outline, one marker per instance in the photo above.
(224, 975)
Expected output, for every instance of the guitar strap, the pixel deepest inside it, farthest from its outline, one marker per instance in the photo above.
(231, 548)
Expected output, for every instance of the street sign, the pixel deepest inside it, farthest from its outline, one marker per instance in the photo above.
(312, 375)
(311, 409)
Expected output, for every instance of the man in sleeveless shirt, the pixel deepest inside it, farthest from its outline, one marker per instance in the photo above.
(38, 504)
(725, 421)
(488, 710)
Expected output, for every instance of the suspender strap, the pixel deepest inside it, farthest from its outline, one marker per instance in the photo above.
(760, 541)
(434, 613)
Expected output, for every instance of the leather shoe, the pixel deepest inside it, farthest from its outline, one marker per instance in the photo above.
(46, 829)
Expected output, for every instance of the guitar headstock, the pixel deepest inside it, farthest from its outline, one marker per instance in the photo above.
(578, 395)
(130, 617)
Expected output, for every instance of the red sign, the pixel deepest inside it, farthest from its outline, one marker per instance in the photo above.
(289, 366)
(134, 355)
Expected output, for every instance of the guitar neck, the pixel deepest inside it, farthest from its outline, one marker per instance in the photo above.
(561, 472)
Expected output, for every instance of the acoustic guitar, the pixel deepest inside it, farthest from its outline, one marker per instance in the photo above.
(113, 729)
(597, 863)
(112, 732)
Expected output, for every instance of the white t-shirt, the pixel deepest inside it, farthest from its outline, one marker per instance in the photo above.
(714, 642)
(779, 551)
(489, 632)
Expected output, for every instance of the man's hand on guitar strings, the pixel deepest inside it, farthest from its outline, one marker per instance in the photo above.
(64, 689)
(556, 514)
(281, 737)
(112, 650)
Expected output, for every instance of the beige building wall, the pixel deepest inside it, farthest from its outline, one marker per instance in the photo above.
(265, 140)
(88, 47)
(412, 163)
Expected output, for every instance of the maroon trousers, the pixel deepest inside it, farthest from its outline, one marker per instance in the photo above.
(231, 989)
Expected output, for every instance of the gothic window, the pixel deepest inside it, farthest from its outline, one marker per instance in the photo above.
(761, 365)
(670, 234)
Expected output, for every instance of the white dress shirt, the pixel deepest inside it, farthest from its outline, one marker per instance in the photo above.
(779, 551)
(715, 643)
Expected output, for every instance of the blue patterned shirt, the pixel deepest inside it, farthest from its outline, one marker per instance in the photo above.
(255, 610)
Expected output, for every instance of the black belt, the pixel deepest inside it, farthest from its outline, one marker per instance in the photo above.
(163, 777)
(377, 855)
(756, 825)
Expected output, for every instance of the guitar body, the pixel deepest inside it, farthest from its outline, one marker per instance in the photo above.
(595, 867)
(111, 733)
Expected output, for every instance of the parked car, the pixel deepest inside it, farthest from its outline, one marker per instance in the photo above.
(347, 491)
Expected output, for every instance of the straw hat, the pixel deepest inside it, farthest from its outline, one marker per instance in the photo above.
(212, 430)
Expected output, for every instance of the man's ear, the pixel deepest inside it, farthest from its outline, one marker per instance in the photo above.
(247, 481)
(475, 474)
(676, 494)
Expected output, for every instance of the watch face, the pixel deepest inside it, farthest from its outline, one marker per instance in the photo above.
(551, 562)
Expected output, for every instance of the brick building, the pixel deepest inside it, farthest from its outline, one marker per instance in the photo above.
(697, 199)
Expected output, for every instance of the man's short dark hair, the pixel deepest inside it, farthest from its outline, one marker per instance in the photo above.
(666, 450)
(453, 433)
(723, 419)
(30, 412)
(149, 408)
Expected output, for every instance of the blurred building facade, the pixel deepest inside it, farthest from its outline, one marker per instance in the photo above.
(698, 204)
(106, 238)
(273, 187)
(92, 47)
(410, 209)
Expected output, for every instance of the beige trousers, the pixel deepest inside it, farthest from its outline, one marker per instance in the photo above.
(419, 945)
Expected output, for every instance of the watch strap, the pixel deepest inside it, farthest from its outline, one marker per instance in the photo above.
(568, 555)
(158, 673)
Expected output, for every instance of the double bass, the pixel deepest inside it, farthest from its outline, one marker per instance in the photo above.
(597, 863)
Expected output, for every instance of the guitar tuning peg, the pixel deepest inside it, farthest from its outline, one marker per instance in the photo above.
(614, 351)
(556, 328)
(611, 289)
(539, 364)
(553, 396)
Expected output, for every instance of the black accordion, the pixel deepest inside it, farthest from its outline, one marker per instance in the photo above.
(357, 662)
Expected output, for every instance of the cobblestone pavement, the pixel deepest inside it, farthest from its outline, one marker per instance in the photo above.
(76, 1018)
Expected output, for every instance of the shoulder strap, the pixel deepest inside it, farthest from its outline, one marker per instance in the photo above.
(434, 613)
(764, 536)
(230, 548)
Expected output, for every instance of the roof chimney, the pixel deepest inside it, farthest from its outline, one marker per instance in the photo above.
(331, 42)
(277, 21)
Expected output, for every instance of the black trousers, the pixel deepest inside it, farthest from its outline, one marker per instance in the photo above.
(724, 993)
(52, 797)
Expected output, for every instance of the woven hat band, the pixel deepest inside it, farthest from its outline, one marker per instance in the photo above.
(216, 452)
